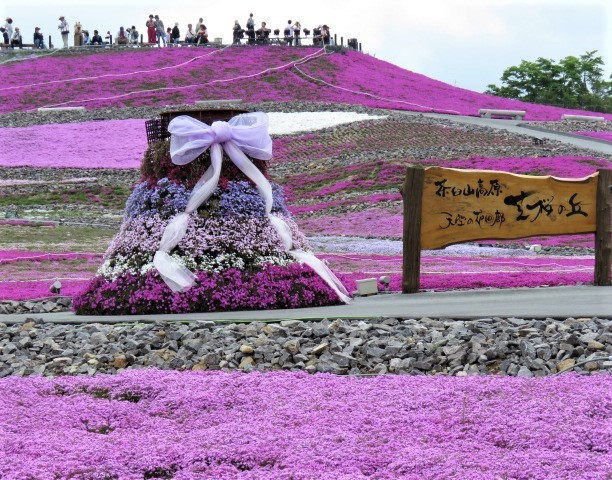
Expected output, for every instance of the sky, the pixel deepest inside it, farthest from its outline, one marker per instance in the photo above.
(466, 43)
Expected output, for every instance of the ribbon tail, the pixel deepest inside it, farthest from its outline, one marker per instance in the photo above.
(324, 272)
(283, 230)
(174, 231)
(251, 171)
(208, 182)
(178, 277)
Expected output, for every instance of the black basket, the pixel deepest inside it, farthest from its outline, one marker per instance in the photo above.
(157, 128)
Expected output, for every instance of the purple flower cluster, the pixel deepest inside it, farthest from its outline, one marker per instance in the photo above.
(242, 236)
(165, 199)
(291, 425)
(272, 287)
(242, 199)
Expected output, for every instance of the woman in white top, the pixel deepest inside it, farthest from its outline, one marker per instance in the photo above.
(8, 25)
(63, 28)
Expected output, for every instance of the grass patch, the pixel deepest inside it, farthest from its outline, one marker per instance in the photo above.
(54, 239)
(111, 197)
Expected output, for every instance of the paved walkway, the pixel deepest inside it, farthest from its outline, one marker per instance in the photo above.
(555, 302)
(516, 126)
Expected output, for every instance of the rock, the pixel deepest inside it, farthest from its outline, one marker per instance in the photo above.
(342, 360)
(319, 348)
(524, 372)
(565, 364)
(246, 363)
(291, 323)
(451, 350)
(588, 337)
(364, 326)
(595, 345)
(292, 346)
(120, 361)
(383, 327)
(98, 338)
(246, 349)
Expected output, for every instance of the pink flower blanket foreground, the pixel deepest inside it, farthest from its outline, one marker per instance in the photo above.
(188, 425)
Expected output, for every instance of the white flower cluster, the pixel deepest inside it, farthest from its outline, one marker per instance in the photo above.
(112, 268)
(120, 264)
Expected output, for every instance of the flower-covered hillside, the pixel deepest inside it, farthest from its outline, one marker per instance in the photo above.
(254, 74)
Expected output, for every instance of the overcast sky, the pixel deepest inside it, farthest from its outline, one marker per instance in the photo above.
(467, 43)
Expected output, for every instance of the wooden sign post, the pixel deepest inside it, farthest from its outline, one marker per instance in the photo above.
(443, 206)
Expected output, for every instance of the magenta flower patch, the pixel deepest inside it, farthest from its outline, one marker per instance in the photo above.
(601, 135)
(53, 145)
(281, 425)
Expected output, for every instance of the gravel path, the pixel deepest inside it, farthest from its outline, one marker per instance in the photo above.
(506, 346)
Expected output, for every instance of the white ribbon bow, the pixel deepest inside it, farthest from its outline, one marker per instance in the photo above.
(246, 133)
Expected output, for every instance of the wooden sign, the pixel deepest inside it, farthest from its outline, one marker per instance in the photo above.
(463, 205)
(443, 206)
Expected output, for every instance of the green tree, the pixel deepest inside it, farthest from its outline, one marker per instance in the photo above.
(573, 82)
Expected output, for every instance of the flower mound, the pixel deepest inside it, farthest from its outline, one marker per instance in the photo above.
(230, 244)
(285, 425)
(293, 286)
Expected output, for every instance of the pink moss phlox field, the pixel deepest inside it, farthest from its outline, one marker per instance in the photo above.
(384, 84)
(451, 273)
(55, 145)
(386, 173)
(601, 135)
(11, 256)
(34, 289)
(21, 273)
(412, 91)
(373, 222)
(280, 425)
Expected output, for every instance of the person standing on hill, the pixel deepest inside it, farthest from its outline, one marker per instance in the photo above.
(250, 30)
(150, 24)
(160, 30)
(288, 33)
(64, 30)
(325, 35)
(250, 23)
(8, 30)
(197, 27)
(297, 31)
(237, 33)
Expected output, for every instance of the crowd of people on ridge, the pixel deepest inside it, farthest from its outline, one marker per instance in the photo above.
(157, 33)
